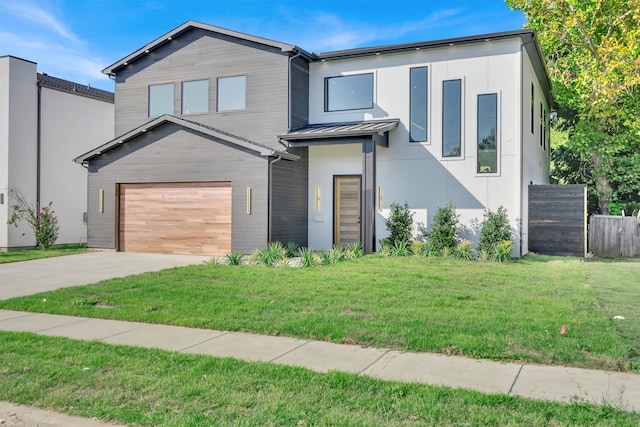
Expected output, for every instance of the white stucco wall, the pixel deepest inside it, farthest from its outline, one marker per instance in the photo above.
(417, 172)
(18, 106)
(71, 125)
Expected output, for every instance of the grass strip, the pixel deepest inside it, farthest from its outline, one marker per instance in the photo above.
(17, 255)
(153, 387)
(505, 312)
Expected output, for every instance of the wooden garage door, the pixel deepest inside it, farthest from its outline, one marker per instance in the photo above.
(178, 218)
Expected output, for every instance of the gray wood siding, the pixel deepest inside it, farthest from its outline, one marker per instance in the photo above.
(170, 153)
(199, 55)
(289, 210)
(299, 93)
(558, 219)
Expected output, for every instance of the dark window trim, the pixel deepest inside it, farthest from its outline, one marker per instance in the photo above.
(426, 110)
(326, 92)
(532, 105)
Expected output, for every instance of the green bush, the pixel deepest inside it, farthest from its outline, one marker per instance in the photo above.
(292, 248)
(464, 251)
(444, 231)
(235, 258)
(495, 229)
(307, 257)
(501, 252)
(399, 223)
(417, 248)
(42, 221)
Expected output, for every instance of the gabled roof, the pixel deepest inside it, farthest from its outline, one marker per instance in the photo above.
(46, 80)
(190, 25)
(340, 130)
(260, 149)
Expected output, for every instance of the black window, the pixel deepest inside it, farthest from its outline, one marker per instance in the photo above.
(487, 127)
(418, 104)
(348, 92)
(452, 118)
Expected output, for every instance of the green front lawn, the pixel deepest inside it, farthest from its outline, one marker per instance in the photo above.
(16, 255)
(152, 387)
(482, 310)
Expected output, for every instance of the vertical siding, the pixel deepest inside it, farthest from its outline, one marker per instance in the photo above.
(299, 93)
(199, 55)
(170, 153)
(289, 199)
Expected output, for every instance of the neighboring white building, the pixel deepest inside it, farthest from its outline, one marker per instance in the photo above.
(44, 123)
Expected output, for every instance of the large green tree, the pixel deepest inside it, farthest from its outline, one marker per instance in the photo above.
(592, 49)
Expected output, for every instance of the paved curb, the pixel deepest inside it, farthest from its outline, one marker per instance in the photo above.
(17, 415)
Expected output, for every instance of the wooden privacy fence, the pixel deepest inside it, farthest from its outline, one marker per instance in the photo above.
(614, 236)
(558, 219)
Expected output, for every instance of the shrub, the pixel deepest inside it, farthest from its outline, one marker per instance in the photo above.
(354, 250)
(42, 221)
(495, 229)
(464, 251)
(400, 248)
(399, 223)
(337, 254)
(325, 256)
(235, 258)
(444, 230)
(501, 251)
(292, 248)
(417, 248)
(307, 257)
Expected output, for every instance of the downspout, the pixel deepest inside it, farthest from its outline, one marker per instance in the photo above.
(38, 144)
(270, 199)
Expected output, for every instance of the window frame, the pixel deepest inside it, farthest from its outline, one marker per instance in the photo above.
(498, 134)
(218, 91)
(149, 98)
(326, 81)
(427, 110)
(182, 100)
(533, 107)
(461, 155)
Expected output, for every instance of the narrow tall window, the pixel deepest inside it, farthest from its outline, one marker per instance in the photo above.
(343, 93)
(232, 93)
(195, 97)
(452, 118)
(532, 106)
(541, 123)
(160, 99)
(418, 104)
(544, 130)
(487, 133)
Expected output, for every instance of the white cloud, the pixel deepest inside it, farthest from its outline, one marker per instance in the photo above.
(46, 20)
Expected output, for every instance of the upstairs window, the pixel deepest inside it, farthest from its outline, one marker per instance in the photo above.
(487, 131)
(195, 97)
(232, 93)
(418, 104)
(532, 106)
(160, 99)
(348, 92)
(452, 118)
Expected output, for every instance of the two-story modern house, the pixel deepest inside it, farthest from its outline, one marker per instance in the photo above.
(227, 141)
(45, 121)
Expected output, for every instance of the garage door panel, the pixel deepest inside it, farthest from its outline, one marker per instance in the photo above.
(185, 218)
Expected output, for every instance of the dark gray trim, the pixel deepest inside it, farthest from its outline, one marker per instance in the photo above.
(186, 27)
(368, 215)
(45, 80)
(341, 130)
(198, 127)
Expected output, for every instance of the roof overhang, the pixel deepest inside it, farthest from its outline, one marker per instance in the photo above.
(112, 69)
(340, 133)
(238, 141)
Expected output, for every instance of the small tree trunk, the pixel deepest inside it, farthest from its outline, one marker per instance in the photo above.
(602, 185)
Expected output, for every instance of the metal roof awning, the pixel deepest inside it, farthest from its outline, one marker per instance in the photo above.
(340, 133)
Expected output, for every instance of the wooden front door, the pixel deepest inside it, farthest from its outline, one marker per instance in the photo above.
(347, 208)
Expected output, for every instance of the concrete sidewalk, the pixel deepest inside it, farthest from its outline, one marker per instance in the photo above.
(553, 383)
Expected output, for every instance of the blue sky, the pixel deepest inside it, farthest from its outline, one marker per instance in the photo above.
(76, 39)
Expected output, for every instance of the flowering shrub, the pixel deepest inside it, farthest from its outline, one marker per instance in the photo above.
(42, 221)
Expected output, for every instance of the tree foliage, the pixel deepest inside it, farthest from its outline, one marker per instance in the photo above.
(592, 49)
(399, 224)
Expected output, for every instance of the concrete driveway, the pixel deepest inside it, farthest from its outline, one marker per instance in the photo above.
(30, 277)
